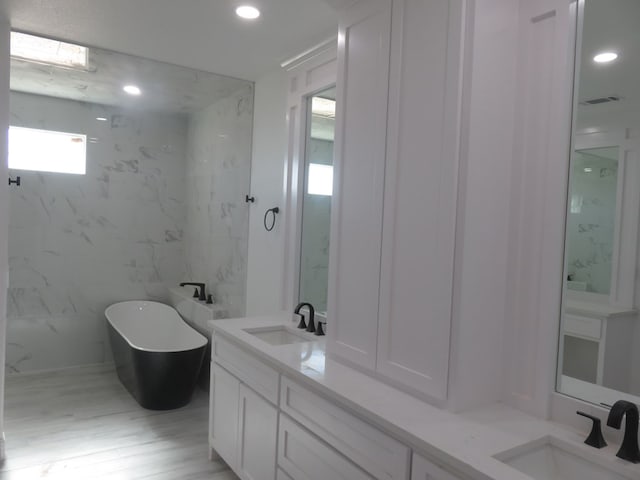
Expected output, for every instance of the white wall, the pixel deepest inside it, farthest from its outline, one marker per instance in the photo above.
(265, 270)
(4, 214)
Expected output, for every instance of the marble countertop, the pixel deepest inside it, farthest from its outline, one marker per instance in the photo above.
(466, 442)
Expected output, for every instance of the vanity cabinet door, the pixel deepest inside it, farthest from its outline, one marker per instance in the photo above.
(420, 194)
(224, 415)
(423, 469)
(356, 220)
(258, 431)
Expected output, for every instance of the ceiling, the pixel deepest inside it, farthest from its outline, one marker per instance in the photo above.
(165, 87)
(610, 25)
(201, 34)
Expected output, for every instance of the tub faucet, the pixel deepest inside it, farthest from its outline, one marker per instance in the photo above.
(310, 327)
(629, 448)
(201, 296)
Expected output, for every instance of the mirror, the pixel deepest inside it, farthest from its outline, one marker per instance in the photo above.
(316, 203)
(158, 197)
(599, 347)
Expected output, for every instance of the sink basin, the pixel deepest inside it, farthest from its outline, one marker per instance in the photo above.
(279, 335)
(549, 458)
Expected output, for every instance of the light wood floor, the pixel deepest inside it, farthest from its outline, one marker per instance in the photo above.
(82, 424)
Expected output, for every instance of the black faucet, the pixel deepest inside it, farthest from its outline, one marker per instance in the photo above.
(629, 448)
(201, 295)
(312, 313)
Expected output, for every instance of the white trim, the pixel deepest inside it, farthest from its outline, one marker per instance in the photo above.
(310, 72)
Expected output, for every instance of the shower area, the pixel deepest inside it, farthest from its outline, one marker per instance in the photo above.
(157, 199)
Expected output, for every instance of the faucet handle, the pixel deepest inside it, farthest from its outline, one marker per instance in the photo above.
(302, 323)
(196, 294)
(595, 438)
(319, 330)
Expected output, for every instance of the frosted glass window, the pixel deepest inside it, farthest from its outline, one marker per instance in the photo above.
(320, 180)
(47, 151)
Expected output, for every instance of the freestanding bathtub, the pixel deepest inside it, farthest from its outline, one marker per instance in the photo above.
(157, 355)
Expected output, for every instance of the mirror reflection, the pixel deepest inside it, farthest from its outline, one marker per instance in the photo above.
(599, 346)
(133, 176)
(316, 208)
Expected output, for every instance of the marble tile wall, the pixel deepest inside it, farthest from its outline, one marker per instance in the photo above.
(217, 179)
(80, 243)
(591, 222)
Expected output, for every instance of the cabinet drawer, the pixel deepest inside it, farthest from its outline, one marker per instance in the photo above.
(305, 457)
(250, 370)
(379, 454)
(583, 326)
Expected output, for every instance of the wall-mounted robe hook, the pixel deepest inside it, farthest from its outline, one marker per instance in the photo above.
(15, 182)
(248, 199)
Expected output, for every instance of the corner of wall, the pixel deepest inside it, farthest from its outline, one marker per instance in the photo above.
(265, 266)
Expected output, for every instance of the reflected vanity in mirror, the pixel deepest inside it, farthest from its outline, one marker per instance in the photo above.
(316, 204)
(599, 347)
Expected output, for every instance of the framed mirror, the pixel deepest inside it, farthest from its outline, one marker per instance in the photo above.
(599, 343)
(316, 202)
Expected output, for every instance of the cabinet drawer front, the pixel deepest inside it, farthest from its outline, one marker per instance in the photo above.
(583, 326)
(379, 454)
(305, 457)
(250, 370)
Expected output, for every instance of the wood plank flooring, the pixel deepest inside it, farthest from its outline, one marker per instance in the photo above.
(81, 423)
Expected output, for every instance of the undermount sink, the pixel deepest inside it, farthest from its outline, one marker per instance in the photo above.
(279, 335)
(549, 458)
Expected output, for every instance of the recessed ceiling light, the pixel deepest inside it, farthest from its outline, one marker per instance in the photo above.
(248, 12)
(132, 90)
(605, 57)
(101, 119)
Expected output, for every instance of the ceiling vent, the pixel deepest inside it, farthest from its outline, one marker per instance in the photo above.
(598, 101)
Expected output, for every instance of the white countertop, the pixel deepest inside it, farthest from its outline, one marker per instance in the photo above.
(466, 442)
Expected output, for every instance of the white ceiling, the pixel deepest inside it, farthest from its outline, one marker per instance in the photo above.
(611, 25)
(201, 34)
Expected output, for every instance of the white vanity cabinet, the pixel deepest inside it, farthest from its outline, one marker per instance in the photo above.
(597, 343)
(243, 426)
(396, 171)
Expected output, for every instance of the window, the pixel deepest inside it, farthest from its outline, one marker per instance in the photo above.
(45, 50)
(320, 179)
(47, 151)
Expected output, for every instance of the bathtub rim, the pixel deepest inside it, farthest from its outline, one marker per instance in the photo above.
(204, 339)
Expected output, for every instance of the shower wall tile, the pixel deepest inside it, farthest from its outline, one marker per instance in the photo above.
(218, 176)
(78, 243)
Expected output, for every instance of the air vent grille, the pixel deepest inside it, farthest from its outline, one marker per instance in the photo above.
(598, 101)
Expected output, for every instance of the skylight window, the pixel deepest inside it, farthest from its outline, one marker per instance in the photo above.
(323, 107)
(45, 50)
(47, 151)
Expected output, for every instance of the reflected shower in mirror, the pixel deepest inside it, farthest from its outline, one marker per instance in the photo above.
(155, 196)
(316, 207)
(599, 348)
